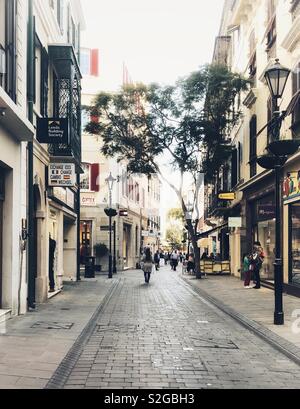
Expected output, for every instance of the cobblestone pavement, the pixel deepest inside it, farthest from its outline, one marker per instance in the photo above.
(164, 335)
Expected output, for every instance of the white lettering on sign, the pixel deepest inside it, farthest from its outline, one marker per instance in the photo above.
(62, 174)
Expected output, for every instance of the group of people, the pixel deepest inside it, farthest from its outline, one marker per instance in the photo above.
(174, 258)
(212, 257)
(252, 264)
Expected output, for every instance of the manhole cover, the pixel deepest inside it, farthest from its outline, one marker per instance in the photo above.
(53, 325)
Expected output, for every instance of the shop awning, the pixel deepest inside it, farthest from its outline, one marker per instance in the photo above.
(208, 232)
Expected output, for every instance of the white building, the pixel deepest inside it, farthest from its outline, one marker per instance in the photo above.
(137, 195)
(15, 131)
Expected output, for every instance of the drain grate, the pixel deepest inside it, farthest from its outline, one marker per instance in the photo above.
(215, 343)
(53, 325)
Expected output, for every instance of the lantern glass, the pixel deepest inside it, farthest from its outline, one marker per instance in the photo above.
(110, 181)
(276, 77)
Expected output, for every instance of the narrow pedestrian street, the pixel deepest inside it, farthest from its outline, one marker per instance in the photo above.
(164, 335)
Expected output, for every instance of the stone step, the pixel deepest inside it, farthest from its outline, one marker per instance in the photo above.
(5, 315)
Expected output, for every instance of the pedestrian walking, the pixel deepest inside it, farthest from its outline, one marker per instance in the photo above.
(147, 265)
(256, 262)
(191, 264)
(174, 259)
(247, 270)
(166, 257)
(157, 260)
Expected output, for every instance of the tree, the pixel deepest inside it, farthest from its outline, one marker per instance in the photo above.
(174, 237)
(187, 121)
(176, 214)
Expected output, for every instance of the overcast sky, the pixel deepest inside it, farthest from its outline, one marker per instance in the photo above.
(159, 40)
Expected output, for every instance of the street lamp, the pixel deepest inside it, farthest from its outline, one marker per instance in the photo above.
(278, 151)
(110, 213)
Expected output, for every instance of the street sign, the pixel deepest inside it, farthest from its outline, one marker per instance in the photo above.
(145, 233)
(53, 130)
(234, 222)
(62, 174)
(226, 196)
(104, 228)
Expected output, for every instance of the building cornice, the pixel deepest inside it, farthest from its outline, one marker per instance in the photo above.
(292, 38)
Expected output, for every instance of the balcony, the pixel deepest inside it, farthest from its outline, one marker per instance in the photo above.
(67, 102)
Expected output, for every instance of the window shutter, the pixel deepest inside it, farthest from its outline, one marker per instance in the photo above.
(95, 63)
(95, 173)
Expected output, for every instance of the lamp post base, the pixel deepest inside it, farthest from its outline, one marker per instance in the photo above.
(278, 318)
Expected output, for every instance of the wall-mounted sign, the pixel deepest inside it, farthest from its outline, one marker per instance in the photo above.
(226, 196)
(65, 196)
(88, 199)
(291, 185)
(62, 174)
(235, 222)
(266, 211)
(53, 130)
(145, 233)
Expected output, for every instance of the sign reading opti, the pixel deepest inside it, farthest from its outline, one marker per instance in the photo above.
(52, 130)
(62, 174)
(226, 196)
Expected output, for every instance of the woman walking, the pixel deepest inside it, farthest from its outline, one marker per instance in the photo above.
(147, 265)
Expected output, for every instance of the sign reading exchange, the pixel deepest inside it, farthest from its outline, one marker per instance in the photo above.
(54, 131)
(62, 174)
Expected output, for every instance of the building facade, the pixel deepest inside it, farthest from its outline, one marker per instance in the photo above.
(135, 197)
(252, 35)
(15, 132)
(57, 94)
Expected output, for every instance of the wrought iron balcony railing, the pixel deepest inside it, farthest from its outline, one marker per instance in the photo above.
(67, 100)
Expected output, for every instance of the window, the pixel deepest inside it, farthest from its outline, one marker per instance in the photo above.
(89, 62)
(271, 32)
(85, 178)
(253, 146)
(295, 8)
(90, 179)
(41, 77)
(85, 62)
(294, 244)
(85, 119)
(60, 17)
(8, 12)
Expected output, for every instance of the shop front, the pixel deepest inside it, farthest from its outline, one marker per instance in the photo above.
(291, 202)
(263, 230)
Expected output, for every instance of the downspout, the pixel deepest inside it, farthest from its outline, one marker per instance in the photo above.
(30, 199)
(78, 175)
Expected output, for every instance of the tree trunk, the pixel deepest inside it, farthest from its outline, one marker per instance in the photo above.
(196, 248)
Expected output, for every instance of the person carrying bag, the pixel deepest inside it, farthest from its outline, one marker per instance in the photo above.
(147, 265)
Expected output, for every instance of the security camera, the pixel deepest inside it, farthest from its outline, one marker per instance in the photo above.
(2, 111)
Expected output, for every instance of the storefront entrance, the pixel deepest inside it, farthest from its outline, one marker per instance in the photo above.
(85, 240)
(294, 261)
(126, 244)
(264, 231)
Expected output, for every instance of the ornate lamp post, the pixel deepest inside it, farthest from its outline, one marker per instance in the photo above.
(278, 151)
(110, 213)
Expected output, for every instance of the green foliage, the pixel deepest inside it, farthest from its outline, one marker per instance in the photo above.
(176, 214)
(101, 250)
(174, 236)
(140, 123)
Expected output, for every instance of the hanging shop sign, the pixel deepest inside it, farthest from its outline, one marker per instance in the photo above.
(235, 222)
(291, 185)
(53, 130)
(62, 174)
(226, 196)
